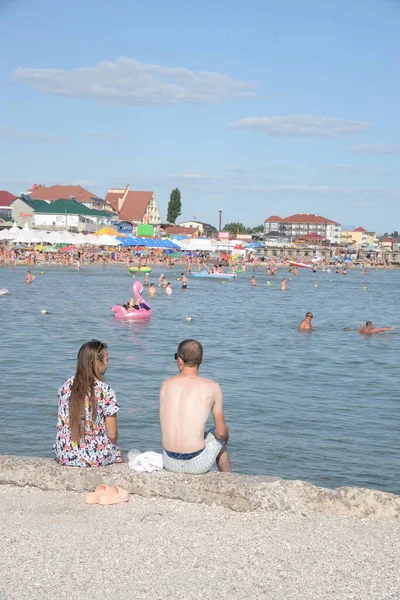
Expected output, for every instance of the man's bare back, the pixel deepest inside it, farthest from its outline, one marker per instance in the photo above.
(185, 404)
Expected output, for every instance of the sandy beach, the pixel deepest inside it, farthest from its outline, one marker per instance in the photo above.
(55, 546)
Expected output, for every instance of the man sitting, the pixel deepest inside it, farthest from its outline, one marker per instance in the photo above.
(186, 401)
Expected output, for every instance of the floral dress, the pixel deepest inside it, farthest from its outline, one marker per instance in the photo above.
(94, 449)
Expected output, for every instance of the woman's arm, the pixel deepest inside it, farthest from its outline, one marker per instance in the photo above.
(112, 428)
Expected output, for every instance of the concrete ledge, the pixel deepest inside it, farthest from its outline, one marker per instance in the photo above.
(238, 492)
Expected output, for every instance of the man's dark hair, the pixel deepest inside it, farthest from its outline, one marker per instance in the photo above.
(191, 352)
(368, 323)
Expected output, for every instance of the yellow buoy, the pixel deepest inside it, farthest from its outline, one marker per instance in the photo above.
(224, 282)
(315, 284)
(178, 278)
(188, 318)
(346, 329)
(364, 287)
(41, 273)
(43, 312)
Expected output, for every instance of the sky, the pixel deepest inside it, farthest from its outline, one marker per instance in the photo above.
(257, 108)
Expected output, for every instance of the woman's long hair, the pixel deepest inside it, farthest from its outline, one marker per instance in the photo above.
(89, 356)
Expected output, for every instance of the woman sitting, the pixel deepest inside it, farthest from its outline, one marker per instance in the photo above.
(87, 430)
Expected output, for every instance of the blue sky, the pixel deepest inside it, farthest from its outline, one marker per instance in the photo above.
(255, 107)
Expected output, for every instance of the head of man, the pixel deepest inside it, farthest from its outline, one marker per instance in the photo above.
(368, 324)
(309, 316)
(189, 354)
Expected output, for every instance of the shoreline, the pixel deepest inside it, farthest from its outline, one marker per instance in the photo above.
(242, 493)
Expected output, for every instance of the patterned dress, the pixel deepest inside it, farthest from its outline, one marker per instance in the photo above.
(94, 449)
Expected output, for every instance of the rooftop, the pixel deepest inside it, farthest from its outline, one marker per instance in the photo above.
(64, 207)
(134, 205)
(309, 218)
(273, 219)
(6, 198)
(56, 192)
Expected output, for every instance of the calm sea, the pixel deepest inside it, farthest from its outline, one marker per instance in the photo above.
(322, 407)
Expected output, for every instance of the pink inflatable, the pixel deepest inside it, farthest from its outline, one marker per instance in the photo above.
(143, 313)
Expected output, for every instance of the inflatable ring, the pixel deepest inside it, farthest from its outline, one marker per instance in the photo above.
(140, 269)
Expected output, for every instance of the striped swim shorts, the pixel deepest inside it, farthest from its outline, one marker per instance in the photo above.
(201, 462)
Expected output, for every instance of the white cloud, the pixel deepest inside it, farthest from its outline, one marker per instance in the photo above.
(358, 169)
(15, 134)
(194, 176)
(301, 125)
(107, 137)
(129, 81)
(377, 148)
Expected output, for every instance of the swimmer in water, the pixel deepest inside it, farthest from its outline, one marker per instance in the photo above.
(306, 323)
(185, 281)
(152, 290)
(146, 280)
(253, 281)
(368, 329)
(283, 284)
(29, 277)
(168, 289)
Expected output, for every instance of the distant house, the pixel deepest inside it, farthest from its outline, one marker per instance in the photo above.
(61, 214)
(70, 192)
(302, 224)
(389, 243)
(5, 209)
(133, 206)
(205, 229)
(360, 236)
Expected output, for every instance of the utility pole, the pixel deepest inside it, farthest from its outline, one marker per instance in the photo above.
(219, 219)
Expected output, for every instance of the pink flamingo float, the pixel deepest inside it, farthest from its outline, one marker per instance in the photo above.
(144, 311)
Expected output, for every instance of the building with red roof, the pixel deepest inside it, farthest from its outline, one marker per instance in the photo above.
(134, 206)
(304, 224)
(74, 192)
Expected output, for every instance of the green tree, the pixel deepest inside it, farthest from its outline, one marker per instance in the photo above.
(174, 206)
(235, 228)
(257, 229)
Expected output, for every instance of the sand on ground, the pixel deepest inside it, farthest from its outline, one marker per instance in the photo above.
(53, 546)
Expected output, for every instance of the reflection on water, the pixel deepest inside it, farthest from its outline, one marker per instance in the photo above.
(321, 407)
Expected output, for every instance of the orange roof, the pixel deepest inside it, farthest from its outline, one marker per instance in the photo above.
(55, 192)
(308, 218)
(361, 229)
(273, 219)
(174, 229)
(389, 240)
(134, 206)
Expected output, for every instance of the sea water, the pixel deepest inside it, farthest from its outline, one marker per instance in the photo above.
(321, 407)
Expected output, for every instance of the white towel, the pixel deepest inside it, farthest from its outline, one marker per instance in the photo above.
(145, 462)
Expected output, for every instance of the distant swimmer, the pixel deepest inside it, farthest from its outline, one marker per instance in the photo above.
(146, 280)
(29, 277)
(168, 289)
(162, 280)
(283, 284)
(306, 323)
(184, 281)
(152, 290)
(368, 329)
(253, 281)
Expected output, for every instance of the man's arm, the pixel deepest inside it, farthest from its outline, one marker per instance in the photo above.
(221, 428)
(379, 329)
